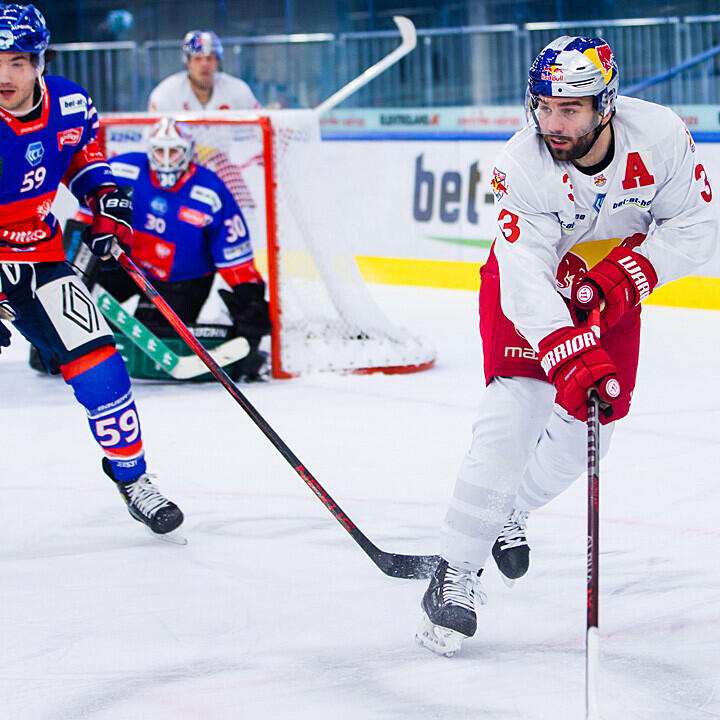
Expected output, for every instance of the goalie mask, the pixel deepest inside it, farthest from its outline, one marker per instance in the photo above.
(170, 151)
(573, 67)
(201, 42)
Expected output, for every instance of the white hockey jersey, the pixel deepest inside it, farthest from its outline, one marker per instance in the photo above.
(554, 220)
(175, 93)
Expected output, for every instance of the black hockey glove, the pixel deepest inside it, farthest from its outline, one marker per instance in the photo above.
(112, 220)
(248, 309)
(6, 313)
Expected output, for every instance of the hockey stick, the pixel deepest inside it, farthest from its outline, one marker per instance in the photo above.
(407, 44)
(393, 564)
(181, 367)
(592, 649)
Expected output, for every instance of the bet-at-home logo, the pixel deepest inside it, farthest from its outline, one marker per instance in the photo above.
(448, 195)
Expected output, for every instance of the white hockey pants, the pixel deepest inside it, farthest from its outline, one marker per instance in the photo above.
(525, 451)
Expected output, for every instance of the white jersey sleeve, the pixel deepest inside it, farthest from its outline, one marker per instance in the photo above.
(175, 94)
(684, 235)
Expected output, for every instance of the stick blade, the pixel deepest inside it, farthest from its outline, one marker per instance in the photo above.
(408, 567)
(407, 31)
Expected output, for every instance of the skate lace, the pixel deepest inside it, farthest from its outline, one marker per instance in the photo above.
(463, 588)
(513, 532)
(145, 496)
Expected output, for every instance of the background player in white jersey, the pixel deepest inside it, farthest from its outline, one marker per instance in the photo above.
(599, 200)
(202, 86)
(48, 128)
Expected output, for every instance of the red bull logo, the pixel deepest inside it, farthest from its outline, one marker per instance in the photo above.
(599, 180)
(605, 56)
(499, 186)
(552, 73)
(571, 266)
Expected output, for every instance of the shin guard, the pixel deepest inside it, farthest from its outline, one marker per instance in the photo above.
(102, 386)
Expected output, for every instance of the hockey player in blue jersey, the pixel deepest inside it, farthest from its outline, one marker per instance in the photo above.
(48, 128)
(188, 226)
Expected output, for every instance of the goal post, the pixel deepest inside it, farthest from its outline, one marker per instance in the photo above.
(324, 316)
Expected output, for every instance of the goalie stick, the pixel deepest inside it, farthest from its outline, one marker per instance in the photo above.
(392, 564)
(181, 367)
(592, 649)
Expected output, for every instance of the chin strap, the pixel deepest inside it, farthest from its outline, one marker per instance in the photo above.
(596, 134)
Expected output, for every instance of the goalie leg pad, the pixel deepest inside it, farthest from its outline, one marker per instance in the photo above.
(102, 386)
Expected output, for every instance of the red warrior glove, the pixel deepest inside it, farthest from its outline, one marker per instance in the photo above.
(622, 280)
(575, 363)
(112, 219)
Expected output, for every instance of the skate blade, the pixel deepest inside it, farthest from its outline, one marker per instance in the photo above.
(174, 537)
(438, 639)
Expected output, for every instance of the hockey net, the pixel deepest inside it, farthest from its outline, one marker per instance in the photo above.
(324, 317)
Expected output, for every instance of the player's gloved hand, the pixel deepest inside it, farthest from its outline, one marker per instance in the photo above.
(6, 313)
(248, 309)
(575, 363)
(112, 220)
(616, 284)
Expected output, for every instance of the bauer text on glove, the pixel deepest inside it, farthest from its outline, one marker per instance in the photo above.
(112, 220)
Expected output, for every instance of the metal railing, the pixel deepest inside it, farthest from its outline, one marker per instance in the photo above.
(473, 65)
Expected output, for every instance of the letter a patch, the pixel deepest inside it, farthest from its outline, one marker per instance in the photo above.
(636, 173)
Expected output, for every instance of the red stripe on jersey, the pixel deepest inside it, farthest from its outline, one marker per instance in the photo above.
(192, 168)
(20, 128)
(13, 213)
(91, 153)
(50, 250)
(134, 450)
(245, 273)
(86, 362)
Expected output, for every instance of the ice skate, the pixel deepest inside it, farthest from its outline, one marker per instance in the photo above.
(449, 609)
(511, 550)
(149, 506)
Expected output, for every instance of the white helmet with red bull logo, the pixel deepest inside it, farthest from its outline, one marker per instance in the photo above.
(574, 67)
(201, 42)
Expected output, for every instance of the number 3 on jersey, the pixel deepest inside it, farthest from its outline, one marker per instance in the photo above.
(509, 225)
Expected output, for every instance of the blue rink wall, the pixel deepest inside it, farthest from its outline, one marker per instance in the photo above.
(428, 209)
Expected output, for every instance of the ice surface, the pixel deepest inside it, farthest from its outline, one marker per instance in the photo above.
(272, 611)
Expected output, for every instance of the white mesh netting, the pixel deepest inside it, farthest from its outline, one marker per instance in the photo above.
(326, 318)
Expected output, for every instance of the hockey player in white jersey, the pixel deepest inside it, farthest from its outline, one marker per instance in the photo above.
(599, 200)
(202, 86)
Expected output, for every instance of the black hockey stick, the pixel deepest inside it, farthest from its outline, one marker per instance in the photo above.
(393, 564)
(592, 650)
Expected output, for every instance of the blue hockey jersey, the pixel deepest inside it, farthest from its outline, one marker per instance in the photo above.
(35, 157)
(186, 231)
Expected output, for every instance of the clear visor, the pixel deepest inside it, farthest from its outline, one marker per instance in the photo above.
(562, 117)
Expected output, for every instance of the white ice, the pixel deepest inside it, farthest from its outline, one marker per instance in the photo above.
(273, 611)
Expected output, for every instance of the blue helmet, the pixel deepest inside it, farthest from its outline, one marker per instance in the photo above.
(575, 67)
(201, 42)
(23, 29)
